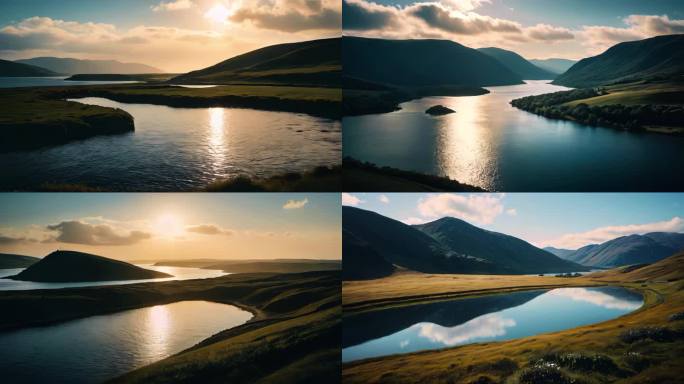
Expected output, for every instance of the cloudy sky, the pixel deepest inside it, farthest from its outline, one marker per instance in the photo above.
(144, 226)
(571, 29)
(173, 35)
(569, 220)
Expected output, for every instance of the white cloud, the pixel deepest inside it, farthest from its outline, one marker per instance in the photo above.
(295, 204)
(414, 221)
(349, 199)
(603, 234)
(384, 199)
(208, 229)
(177, 5)
(478, 208)
(486, 326)
(512, 212)
(599, 38)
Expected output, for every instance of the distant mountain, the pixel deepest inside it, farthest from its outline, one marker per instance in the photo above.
(71, 266)
(12, 69)
(562, 253)
(70, 66)
(371, 242)
(8, 261)
(518, 64)
(508, 253)
(657, 57)
(421, 63)
(626, 250)
(556, 66)
(315, 62)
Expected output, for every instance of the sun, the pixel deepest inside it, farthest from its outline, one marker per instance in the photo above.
(218, 14)
(169, 225)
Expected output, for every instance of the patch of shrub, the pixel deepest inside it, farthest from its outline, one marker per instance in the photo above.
(636, 361)
(582, 362)
(661, 334)
(545, 373)
(677, 316)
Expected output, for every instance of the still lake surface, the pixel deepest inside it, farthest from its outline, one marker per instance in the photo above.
(178, 273)
(178, 149)
(98, 348)
(490, 144)
(58, 81)
(483, 319)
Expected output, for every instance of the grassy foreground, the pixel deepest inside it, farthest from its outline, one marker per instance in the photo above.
(321, 179)
(294, 335)
(645, 346)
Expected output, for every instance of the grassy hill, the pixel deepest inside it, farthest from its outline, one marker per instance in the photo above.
(518, 64)
(556, 66)
(251, 266)
(8, 261)
(71, 266)
(12, 69)
(73, 66)
(660, 57)
(308, 63)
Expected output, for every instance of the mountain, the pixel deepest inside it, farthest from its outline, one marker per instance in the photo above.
(562, 253)
(421, 63)
(508, 253)
(372, 241)
(556, 66)
(315, 63)
(8, 261)
(518, 64)
(12, 69)
(73, 66)
(71, 266)
(632, 249)
(657, 57)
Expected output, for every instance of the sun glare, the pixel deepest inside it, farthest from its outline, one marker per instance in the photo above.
(169, 225)
(218, 13)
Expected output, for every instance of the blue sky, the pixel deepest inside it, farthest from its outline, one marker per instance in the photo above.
(568, 220)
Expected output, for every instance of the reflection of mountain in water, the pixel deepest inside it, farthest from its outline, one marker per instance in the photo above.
(372, 325)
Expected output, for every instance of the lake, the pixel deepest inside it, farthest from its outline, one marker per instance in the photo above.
(98, 348)
(490, 144)
(482, 319)
(180, 149)
(178, 273)
(58, 81)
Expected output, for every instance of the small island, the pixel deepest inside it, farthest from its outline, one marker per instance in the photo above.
(439, 110)
(72, 266)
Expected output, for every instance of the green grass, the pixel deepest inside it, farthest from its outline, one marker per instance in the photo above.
(638, 94)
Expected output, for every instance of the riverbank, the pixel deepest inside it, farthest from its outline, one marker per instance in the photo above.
(296, 322)
(644, 346)
(321, 179)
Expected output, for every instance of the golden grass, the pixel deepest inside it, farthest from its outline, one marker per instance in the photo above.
(638, 94)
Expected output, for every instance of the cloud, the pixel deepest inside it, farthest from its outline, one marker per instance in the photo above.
(208, 229)
(176, 5)
(603, 234)
(446, 19)
(360, 15)
(78, 232)
(384, 199)
(349, 199)
(295, 204)
(414, 221)
(290, 15)
(9, 240)
(599, 38)
(478, 208)
(546, 32)
(512, 212)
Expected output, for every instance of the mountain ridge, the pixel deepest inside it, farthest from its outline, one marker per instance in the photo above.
(518, 64)
(71, 66)
(14, 69)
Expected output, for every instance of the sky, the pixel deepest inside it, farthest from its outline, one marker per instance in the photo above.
(562, 220)
(146, 226)
(536, 29)
(173, 35)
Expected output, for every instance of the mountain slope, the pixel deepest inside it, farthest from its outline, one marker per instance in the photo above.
(71, 266)
(361, 261)
(76, 66)
(562, 253)
(507, 252)
(315, 62)
(632, 249)
(421, 63)
(518, 64)
(657, 57)
(12, 69)
(8, 261)
(556, 66)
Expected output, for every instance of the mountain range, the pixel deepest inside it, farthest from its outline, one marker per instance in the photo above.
(556, 66)
(518, 64)
(8, 260)
(12, 69)
(656, 57)
(372, 242)
(71, 266)
(69, 66)
(626, 250)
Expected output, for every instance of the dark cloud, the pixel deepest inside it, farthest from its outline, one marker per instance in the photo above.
(208, 229)
(8, 240)
(440, 18)
(77, 232)
(362, 16)
(291, 21)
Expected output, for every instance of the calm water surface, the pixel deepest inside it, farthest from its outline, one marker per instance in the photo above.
(180, 149)
(13, 82)
(178, 273)
(490, 144)
(97, 348)
(484, 319)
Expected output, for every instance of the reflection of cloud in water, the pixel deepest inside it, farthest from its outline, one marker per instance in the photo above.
(404, 343)
(596, 297)
(491, 325)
